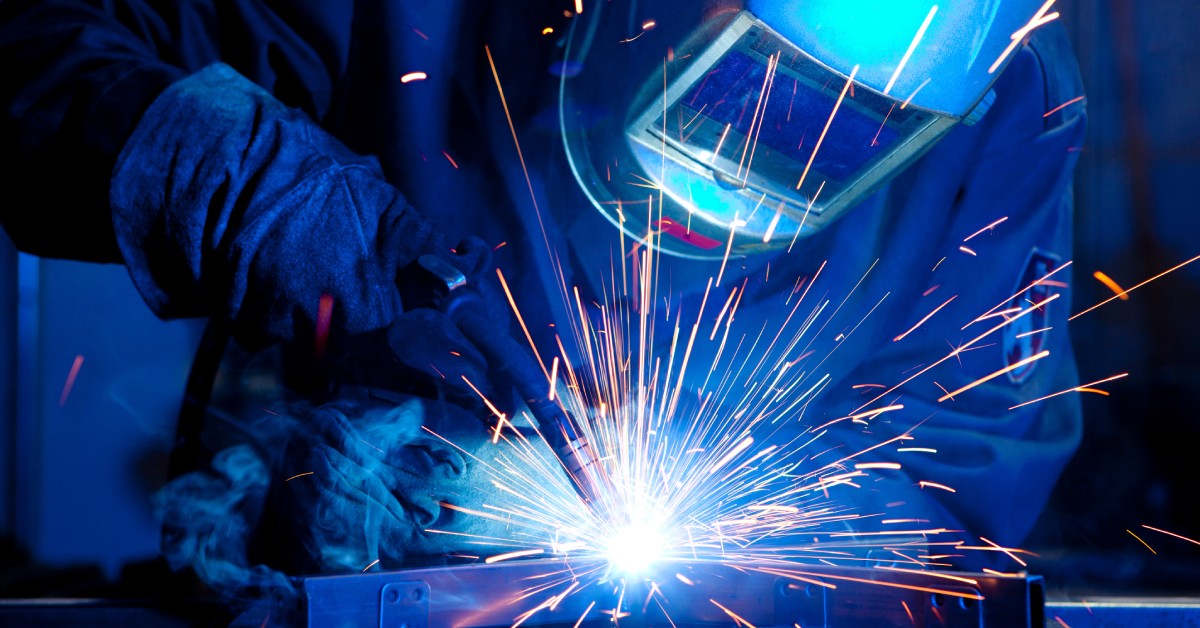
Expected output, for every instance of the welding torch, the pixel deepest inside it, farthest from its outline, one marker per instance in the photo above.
(511, 364)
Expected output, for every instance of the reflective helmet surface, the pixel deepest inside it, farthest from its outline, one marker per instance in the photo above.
(743, 127)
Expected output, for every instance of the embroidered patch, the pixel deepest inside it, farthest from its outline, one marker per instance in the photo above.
(1026, 336)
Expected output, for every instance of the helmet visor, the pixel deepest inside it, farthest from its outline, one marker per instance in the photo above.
(731, 137)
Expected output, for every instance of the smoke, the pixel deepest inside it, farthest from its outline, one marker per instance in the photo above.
(350, 486)
(207, 519)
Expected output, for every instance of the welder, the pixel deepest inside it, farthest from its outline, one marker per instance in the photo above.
(283, 167)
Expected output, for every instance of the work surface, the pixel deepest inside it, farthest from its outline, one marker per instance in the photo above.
(682, 593)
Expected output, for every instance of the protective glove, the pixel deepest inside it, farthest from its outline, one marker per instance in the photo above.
(227, 203)
(451, 303)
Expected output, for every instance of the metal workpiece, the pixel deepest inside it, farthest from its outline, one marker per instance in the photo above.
(583, 592)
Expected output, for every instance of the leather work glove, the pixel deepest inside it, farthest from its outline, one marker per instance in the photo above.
(451, 303)
(227, 203)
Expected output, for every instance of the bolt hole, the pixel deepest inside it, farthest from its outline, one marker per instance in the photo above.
(393, 596)
(938, 600)
(966, 603)
(418, 595)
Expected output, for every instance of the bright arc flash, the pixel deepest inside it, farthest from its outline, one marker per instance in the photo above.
(633, 548)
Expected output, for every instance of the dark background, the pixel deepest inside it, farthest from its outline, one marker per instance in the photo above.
(1136, 216)
(76, 472)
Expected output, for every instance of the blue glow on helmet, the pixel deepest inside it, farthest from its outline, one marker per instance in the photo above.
(950, 68)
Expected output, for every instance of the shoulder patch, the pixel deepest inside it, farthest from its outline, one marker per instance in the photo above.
(1026, 336)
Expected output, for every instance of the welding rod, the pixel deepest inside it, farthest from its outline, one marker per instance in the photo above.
(510, 363)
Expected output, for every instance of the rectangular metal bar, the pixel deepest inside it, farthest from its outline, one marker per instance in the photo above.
(686, 593)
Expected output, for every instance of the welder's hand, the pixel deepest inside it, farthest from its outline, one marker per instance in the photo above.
(227, 203)
(383, 489)
(449, 302)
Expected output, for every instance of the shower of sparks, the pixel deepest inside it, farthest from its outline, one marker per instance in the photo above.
(730, 470)
(70, 383)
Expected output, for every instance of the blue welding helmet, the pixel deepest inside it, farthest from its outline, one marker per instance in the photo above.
(721, 124)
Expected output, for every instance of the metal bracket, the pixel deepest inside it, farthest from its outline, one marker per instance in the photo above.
(800, 603)
(404, 605)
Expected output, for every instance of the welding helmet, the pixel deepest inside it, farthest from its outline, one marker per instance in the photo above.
(726, 126)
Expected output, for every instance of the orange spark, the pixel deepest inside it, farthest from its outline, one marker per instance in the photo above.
(585, 614)
(928, 484)
(1112, 285)
(70, 383)
(881, 583)
(684, 579)
(1142, 542)
(877, 465)
(1039, 19)
(828, 123)
(1060, 621)
(913, 95)
(298, 475)
(911, 47)
(413, 76)
(517, 554)
(926, 450)
(1178, 536)
(578, 7)
(1080, 388)
(987, 228)
(1169, 270)
(450, 159)
(740, 621)
(376, 562)
(1062, 106)
(906, 610)
(1006, 550)
(967, 250)
(922, 321)
(547, 30)
(1002, 371)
